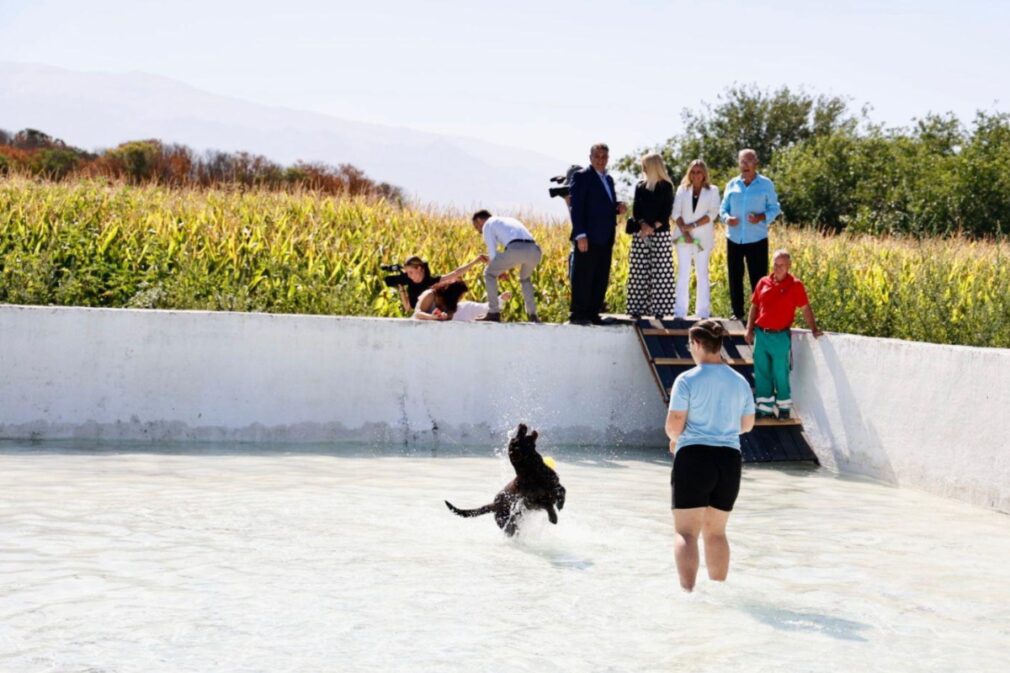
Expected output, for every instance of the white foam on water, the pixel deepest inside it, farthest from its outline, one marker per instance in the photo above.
(260, 561)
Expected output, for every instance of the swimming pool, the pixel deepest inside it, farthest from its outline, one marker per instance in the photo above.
(344, 558)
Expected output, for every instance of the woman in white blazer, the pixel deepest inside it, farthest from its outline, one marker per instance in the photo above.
(695, 209)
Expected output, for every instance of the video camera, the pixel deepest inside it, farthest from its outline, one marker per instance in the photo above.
(565, 181)
(397, 278)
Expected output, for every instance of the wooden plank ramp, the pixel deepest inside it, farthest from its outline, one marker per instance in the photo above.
(665, 345)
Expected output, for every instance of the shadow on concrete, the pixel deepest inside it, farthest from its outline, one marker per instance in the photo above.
(856, 434)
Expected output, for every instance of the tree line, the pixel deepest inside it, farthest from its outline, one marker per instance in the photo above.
(154, 162)
(835, 169)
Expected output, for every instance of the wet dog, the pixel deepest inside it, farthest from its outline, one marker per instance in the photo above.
(536, 486)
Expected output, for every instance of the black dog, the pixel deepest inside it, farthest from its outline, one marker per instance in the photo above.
(536, 486)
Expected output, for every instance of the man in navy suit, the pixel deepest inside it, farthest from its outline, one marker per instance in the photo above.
(594, 209)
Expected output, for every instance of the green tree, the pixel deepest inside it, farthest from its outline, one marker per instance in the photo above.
(33, 139)
(936, 178)
(748, 116)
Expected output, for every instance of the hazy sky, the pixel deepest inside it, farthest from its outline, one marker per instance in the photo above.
(548, 75)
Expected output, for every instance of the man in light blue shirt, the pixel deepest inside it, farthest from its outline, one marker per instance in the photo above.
(710, 406)
(749, 205)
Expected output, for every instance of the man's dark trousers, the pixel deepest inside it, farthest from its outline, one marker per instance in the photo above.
(590, 277)
(756, 256)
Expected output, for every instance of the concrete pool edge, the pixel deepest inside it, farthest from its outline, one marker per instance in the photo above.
(906, 413)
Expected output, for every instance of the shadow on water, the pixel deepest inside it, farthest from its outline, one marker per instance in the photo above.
(784, 619)
(614, 457)
(799, 470)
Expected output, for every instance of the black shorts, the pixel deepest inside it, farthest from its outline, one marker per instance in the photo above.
(706, 476)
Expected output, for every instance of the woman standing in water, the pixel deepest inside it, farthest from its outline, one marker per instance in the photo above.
(710, 407)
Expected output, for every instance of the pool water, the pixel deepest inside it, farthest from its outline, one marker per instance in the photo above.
(345, 559)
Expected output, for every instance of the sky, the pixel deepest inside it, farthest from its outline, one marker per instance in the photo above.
(552, 76)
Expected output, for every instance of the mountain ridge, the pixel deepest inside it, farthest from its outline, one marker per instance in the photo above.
(98, 109)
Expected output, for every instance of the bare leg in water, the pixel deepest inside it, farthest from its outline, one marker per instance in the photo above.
(710, 524)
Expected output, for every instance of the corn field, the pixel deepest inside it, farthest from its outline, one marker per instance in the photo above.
(88, 243)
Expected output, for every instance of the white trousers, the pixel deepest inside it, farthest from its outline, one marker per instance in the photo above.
(686, 253)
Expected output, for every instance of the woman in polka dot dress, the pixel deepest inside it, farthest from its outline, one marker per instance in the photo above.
(651, 285)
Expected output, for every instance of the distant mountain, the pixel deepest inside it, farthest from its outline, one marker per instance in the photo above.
(98, 110)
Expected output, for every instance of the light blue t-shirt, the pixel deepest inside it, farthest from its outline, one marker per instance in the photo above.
(714, 397)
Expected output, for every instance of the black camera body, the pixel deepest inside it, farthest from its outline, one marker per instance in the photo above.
(397, 278)
(565, 181)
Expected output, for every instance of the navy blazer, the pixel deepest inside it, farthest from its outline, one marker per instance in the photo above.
(593, 212)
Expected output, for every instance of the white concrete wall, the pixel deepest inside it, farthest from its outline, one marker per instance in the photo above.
(920, 415)
(911, 414)
(69, 372)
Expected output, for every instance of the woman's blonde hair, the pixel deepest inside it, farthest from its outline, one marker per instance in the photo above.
(686, 182)
(655, 170)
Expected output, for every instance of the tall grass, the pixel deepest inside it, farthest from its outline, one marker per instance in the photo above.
(89, 244)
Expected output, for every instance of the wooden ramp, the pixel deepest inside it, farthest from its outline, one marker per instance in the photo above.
(665, 345)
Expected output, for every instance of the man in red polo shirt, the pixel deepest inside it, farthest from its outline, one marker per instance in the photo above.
(773, 309)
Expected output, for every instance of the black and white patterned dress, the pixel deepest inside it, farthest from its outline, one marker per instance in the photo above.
(651, 283)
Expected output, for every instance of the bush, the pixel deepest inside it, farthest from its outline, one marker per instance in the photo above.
(55, 163)
(136, 161)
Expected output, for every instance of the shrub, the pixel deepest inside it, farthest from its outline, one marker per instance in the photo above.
(54, 163)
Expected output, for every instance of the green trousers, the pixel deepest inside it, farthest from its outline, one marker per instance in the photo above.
(771, 370)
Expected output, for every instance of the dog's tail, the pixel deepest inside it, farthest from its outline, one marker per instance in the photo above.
(486, 509)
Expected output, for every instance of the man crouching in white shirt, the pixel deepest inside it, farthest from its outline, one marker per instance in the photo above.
(520, 250)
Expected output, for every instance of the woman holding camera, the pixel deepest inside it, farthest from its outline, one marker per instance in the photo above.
(650, 274)
(417, 278)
